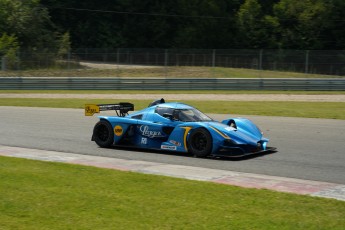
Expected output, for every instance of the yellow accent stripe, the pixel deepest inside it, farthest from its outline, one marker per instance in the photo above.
(220, 133)
(186, 130)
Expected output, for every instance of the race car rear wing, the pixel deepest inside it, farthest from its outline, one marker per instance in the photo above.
(121, 109)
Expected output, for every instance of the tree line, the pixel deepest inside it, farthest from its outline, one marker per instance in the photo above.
(201, 24)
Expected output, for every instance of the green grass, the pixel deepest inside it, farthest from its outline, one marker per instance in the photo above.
(173, 92)
(41, 195)
(331, 110)
(159, 71)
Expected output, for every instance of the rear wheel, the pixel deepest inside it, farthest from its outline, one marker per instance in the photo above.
(103, 134)
(200, 142)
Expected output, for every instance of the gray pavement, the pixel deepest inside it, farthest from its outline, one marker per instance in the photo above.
(308, 149)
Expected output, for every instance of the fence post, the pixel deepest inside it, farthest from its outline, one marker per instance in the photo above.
(118, 62)
(3, 63)
(307, 61)
(166, 61)
(166, 57)
(18, 62)
(214, 58)
(69, 59)
(118, 56)
(260, 59)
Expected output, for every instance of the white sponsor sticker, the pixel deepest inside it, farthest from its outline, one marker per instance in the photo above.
(167, 147)
(175, 143)
(145, 131)
(144, 141)
(230, 128)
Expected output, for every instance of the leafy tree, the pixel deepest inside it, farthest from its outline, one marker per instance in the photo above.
(8, 50)
(7, 43)
(90, 23)
(294, 24)
(150, 23)
(333, 36)
(152, 26)
(267, 6)
(302, 22)
(28, 21)
(64, 45)
(211, 25)
(256, 29)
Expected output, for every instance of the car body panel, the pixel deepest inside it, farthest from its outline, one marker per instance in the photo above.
(156, 128)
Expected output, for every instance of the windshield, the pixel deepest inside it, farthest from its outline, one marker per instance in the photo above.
(187, 115)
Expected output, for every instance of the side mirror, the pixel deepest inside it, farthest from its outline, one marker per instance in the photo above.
(168, 115)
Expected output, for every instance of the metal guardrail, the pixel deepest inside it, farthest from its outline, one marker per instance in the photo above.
(19, 83)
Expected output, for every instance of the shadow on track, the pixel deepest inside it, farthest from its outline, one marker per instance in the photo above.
(188, 155)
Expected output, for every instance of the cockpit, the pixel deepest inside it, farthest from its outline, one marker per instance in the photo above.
(184, 115)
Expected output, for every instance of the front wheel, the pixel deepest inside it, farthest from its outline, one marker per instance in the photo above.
(103, 134)
(200, 143)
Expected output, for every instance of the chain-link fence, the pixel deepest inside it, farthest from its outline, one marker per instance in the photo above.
(184, 62)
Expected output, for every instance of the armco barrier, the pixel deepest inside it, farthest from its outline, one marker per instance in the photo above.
(41, 83)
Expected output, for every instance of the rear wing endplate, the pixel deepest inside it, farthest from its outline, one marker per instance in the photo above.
(121, 109)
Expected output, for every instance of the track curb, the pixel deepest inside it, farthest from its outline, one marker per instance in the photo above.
(247, 180)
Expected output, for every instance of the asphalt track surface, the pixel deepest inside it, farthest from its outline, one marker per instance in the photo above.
(310, 149)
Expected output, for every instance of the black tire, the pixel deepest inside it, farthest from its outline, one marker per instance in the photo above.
(200, 142)
(103, 134)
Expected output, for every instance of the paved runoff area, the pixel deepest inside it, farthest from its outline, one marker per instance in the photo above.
(247, 180)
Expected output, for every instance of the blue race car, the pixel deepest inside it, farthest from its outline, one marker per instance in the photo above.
(176, 127)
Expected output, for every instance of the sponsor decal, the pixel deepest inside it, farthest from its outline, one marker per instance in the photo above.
(145, 131)
(144, 141)
(230, 128)
(91, 109)
(175, 143)
(167, 147)
(118, 130)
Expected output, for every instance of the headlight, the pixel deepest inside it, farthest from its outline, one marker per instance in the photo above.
(262, 145)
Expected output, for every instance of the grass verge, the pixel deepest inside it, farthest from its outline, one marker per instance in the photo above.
(331, 110)
(162, 71)
(44, 195)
